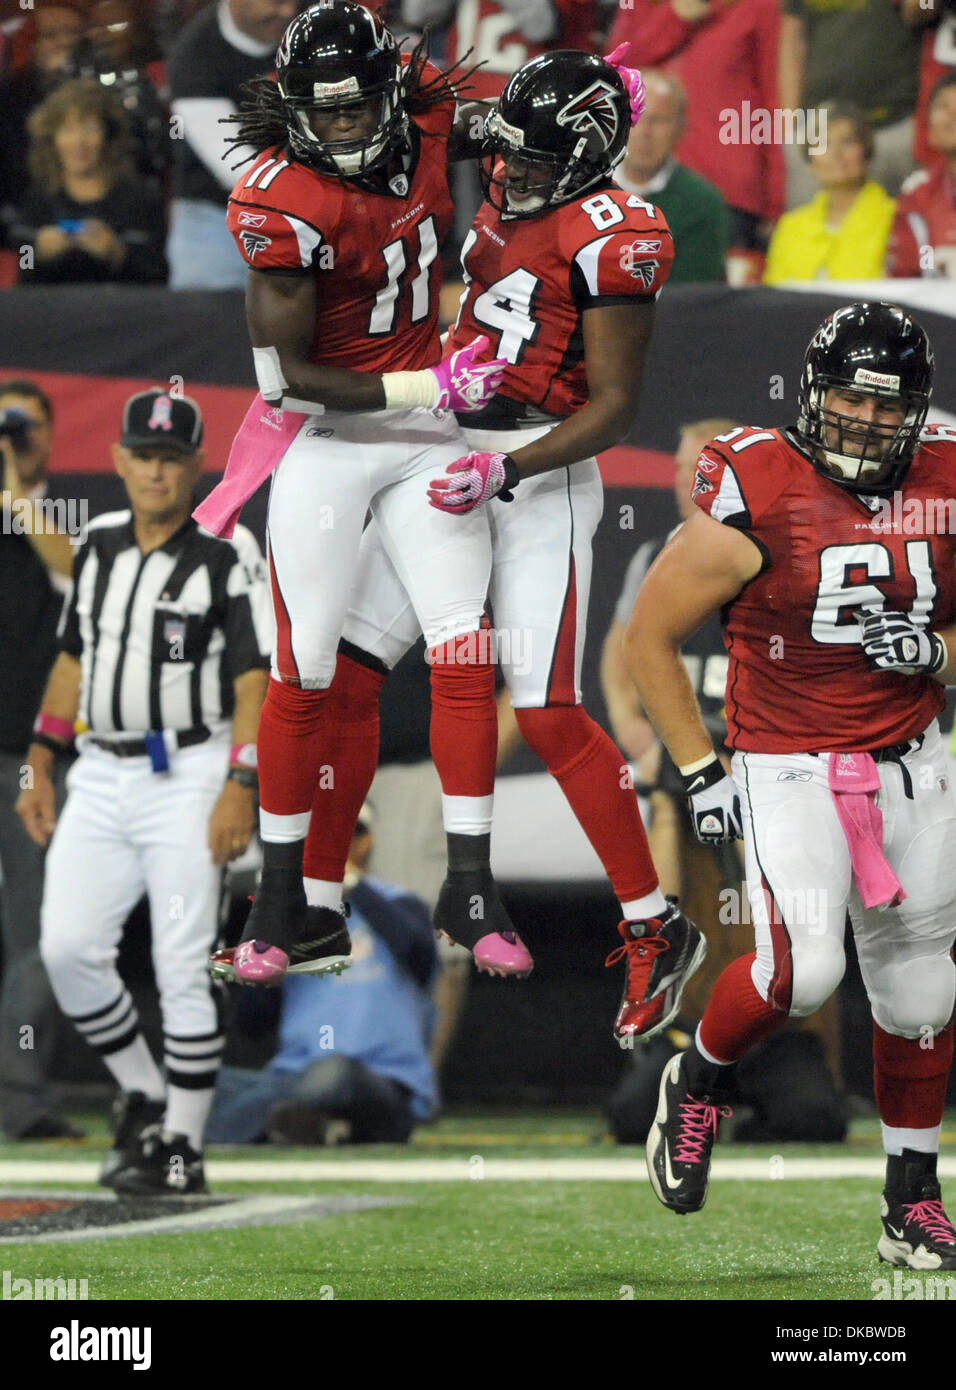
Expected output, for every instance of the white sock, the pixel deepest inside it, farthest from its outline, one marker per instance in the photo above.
(134, 1069)
(320, 893)
(467, 815)
(639, 909)
(923, 1141)
(187, 1112)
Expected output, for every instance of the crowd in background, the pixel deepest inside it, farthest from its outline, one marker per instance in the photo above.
(783, 139)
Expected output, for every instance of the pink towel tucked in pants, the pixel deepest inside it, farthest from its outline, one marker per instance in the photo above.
(263, 437)
(854, 782)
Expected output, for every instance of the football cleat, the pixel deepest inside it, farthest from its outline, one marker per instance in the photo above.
(681, 1139)
(323, 948)
(132, 1113)
(659, 964)
(917, 1234)
(470, 912)
(503, 953)
(162, 1165)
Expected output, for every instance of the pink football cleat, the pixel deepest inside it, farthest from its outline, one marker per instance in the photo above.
(258, 963)
(503, 953)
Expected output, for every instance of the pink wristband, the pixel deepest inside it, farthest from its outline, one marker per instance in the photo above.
(244, 755)
(56, 728)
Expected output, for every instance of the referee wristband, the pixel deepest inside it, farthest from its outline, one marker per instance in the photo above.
(48, 724)
(52, 745)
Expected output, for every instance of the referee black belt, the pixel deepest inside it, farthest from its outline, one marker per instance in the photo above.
(136, 747)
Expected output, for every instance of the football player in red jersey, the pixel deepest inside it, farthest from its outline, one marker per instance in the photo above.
(339, 219)
(829, 547)
(562, 270)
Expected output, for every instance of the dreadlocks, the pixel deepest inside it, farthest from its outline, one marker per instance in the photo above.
(261, 120)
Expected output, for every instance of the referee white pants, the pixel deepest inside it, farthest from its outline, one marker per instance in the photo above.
(126, 830)
(339, 466)
(540, 581)
(801, 887)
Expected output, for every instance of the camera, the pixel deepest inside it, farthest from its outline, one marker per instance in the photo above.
(15, 426)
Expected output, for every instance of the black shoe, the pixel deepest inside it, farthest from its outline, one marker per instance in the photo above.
(917, 1233)
(132, 1113)
(325, 946)
(681, 1139)
(295, 1123)
(164, 1165)
(469, 907)
(51, 1127)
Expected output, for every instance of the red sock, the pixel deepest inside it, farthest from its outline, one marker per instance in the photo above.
(909, 1079)
(464, 724)
(292, 748)
(589, 769)
(351, 726)
(736, 1018)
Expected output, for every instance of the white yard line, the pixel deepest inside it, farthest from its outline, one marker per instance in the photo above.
(490, 1169)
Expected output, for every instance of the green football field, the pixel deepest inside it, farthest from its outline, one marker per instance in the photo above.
(492, 1207)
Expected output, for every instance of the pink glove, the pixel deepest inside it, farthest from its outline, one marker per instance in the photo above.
(464, 384)
(482, 476)
(632, 79)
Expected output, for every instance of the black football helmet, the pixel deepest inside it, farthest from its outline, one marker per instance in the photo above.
(333, 55)
(873, 350)
(563, 119)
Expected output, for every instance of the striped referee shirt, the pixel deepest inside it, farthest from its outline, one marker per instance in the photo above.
(161, 637)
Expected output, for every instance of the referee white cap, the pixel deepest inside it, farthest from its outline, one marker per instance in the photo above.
(157, 418)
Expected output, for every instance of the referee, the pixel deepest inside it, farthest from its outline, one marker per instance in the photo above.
(162, 668)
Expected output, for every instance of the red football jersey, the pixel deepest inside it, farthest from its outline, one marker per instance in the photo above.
(923, 239)
(488, 30)
(798, 681)
(375, 257)
(529, 280)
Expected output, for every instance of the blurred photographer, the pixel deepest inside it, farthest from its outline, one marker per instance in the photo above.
(35, 567)
(352, 1064)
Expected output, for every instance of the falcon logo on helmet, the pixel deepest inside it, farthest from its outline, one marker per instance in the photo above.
(559, 129)
(594, 108)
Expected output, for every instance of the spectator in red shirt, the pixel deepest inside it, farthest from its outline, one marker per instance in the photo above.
(725, 54)
(937, 19)
(923, 240)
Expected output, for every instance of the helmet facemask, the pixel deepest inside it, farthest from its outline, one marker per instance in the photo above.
(570, 173)
(864, 456)
(356, 155)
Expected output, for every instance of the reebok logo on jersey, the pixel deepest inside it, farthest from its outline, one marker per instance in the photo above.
(253, 242)
(707, 465)
(593, 109)
(645, 248)
(252, 219)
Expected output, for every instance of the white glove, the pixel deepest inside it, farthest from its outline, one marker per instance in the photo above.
(893, 642)
(714, 804)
